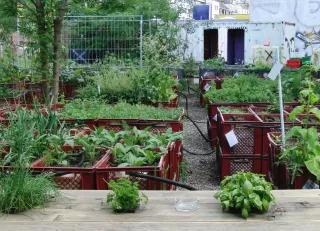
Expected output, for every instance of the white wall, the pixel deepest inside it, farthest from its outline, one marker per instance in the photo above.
(304, 13)
(256, 34)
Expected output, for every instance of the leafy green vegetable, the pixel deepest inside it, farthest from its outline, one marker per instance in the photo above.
(244, 89)
(125, 196)
(303, 146)
(246, 193)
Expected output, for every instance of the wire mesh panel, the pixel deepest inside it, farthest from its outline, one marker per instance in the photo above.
(89, 39)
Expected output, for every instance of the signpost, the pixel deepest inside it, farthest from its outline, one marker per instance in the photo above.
(276, 71)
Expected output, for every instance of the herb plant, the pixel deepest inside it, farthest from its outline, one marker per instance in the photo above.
(125, 196)
(21, 191)
(245, 193)
(96, 109)
(244, 89)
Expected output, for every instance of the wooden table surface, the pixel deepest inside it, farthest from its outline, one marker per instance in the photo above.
(85, 210)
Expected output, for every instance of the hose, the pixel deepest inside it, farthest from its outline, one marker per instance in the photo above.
(199, 130)
(164, 180)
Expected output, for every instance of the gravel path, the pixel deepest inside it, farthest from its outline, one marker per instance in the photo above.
(201, 168)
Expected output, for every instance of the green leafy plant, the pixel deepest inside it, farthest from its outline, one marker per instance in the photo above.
(216, 64)
(8, 93)
(190, 67)
(21, 191)
(245, 88)
(134, 155)
(125, 196)
(303, 146)
(96, 109)
(245, 193)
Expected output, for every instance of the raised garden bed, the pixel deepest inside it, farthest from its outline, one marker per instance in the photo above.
(271, 123)
(278, 174)
(71, 177)
(106, 171)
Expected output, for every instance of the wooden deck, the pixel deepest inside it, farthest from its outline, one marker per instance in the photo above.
(85, 210)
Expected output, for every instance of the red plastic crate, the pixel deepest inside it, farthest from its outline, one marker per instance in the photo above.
(271, 123)
(231, 164)
(117, 124)
(247, 130)
(213, 117)
(278, 174)
(294, 63)
(71, 178)
(105, 173)
(174, 103)
(203, 81)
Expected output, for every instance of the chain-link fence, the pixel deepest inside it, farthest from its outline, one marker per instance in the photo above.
(89, 39)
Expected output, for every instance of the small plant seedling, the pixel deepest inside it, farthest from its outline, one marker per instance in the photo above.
(245, 193)
(125, 196)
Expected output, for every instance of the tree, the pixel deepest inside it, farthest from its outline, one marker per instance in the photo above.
(40, 21)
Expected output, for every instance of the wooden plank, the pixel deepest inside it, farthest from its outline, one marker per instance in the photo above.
(87, 208)
(147, 226)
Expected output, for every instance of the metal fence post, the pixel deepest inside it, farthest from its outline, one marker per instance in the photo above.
(141, 41)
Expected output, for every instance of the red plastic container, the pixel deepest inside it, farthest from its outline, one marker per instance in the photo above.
(271, 123)
(294, 63)
(174, 103)
(117, 124)
(230, 164)
(278, 174)
(71, 178)
(247, 130)
(204, 81)
(105, 173)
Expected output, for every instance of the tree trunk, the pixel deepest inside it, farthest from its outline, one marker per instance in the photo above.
(57, 47)
(43, 42)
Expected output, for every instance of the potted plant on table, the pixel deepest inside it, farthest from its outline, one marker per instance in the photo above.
(245, 192)
(125, 196)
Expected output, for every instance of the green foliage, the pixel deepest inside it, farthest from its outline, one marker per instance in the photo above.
(8, 70)
(244, 89)
(130, 147)
(21, 191)
(190, 67)
(214, 63)
(8, 93)
(133, 85)
(259, 67)
(245, 192)
(27, 136)
(134, 155)
(148, 8)
(96, 110)
(125, 196)
(183, 167)
(303, 146)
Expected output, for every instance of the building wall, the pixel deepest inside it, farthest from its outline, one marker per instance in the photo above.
(256, 34)
(304, 13)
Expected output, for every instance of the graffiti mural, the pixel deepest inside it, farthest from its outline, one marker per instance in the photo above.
(304, 13)
(307, 12)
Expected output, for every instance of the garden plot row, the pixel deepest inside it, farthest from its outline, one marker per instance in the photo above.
(239, 135)
(98, 154)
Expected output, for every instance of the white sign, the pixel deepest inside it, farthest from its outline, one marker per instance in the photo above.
(207, 87)
(215, 118)
(275, 71)
(232, 138)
